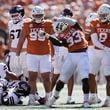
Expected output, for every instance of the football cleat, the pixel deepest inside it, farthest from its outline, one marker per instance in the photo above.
(42, 100)
(51, 101)
(106, 103)
(93, 100)
(70, 102)
(86, 104)
(32, 100)
(99, 100)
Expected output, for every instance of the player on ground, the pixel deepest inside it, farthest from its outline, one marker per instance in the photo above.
(12, 96)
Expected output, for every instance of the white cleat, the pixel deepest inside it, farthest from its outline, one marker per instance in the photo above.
(93, 100)
(86, 104)
(70, 102)
(51, 101)
(99, 100)
(32, 100)
(106, 103)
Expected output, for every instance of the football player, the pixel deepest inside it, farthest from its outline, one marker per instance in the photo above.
(93, 88)
(12, 96)
(17, 64)
(71, 35)
(38, 50)
(58, 60)
(100, 32)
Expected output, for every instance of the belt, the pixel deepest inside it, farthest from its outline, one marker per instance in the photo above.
(79, 50)
(97, 48)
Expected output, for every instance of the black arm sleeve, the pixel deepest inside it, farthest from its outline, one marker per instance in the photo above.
(57, 42)
(78, 26)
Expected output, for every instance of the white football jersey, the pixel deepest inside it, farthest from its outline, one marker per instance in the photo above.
(3, 69)
(14, 33)
(10, 98)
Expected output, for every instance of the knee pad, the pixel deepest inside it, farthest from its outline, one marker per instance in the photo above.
(85, 85)
(59, 85)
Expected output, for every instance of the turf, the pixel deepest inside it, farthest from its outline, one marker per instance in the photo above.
(60, 104)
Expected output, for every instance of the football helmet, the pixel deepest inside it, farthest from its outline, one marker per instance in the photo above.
(17, 13)
(37, 14)
(59, 26)
(104, 12)
(22, 88)
(90, 17)
(67, 12)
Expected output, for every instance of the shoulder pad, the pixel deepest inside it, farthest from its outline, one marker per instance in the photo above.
(27, 20)
(47, 21)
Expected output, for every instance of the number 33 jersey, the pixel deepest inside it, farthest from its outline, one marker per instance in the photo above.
(14, 33)
(74, 38)
(37, 44)
(102, 30)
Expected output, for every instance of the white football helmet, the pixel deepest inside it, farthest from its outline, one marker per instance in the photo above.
(90, 17)
(104, 12)
(59, 26)
(37, 14)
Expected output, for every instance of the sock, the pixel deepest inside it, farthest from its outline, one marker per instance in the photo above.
(48, 95)
(56, 93)
(86, 97)
(93, 95)
(69, 98)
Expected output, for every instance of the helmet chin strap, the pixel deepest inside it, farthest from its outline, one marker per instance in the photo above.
(39, 21)
(16, 21)
(103, 21)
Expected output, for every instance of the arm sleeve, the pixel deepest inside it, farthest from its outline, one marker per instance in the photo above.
(57, 42)
(96, 42)
(78, 26)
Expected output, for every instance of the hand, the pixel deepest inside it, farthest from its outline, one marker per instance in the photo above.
(42, 34)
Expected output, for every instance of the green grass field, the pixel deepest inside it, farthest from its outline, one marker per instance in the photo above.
(60, 104)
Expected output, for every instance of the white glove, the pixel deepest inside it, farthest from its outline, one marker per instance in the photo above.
(16, 61)
(41, 35)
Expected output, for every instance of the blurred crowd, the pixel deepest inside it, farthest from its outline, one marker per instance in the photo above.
(80, 8)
